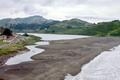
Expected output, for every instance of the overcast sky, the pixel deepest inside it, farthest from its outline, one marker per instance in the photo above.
(90, 10)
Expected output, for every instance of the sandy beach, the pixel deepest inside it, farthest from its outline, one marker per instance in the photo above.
(60, 58)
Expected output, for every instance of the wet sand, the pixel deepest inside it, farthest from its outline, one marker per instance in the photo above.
(60, 57)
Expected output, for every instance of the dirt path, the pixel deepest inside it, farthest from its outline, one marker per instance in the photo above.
(60, 58)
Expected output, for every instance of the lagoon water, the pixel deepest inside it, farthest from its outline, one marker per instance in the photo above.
(49, 37)
(33, 50)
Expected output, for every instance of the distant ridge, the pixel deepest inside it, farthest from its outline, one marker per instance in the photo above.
(28, 24)
(36, 23)
(73, 26)
(26, 20)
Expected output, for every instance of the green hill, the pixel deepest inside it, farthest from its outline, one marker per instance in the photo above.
(79, 27)
(72, 26)
(103, 29)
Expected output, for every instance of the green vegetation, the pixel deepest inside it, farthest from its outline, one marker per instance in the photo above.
(1, 42)
(78, 27)
(31, 40)
(72, 26)
(13, 48)
(103, 29)
(115, 32)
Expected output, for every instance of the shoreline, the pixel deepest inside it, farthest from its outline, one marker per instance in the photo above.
(23, 49)
(103, 67)
(4, 58)
(60, 57)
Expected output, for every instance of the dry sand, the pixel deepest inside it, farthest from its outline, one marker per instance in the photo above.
(61, 57)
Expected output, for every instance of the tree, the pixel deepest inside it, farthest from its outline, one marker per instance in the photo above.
(7, 32)
(25, 34)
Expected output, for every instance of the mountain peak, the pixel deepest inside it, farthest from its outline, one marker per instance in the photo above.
(35, 16)
(26, 20)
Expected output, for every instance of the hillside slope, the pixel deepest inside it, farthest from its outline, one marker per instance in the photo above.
(73, 26)
(32, 23)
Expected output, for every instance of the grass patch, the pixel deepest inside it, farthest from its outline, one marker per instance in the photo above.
(1, 42)
(14, 48)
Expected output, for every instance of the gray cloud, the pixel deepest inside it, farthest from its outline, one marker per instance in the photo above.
(51, 2)
(59, 9)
